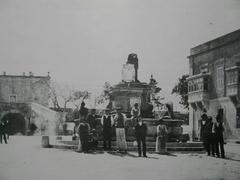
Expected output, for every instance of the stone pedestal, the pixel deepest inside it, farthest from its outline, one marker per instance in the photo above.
(45, 141)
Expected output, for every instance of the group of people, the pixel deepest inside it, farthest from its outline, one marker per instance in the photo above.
(212, 134)
(88, 137)
(4, 134)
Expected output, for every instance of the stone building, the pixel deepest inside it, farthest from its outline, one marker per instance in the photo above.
(18, 93)
(214, 83)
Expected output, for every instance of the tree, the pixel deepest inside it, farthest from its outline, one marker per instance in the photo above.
(105, 95)
(63, 94)
(181, 89)
(79, 97)
(155, 92)
(53, 94)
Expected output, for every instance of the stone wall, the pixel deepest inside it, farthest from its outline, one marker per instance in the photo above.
(25, 89)
(229, 118)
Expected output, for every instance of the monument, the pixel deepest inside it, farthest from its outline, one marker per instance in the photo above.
(130, 90)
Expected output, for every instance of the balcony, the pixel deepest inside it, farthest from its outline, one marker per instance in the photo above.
(198, 86)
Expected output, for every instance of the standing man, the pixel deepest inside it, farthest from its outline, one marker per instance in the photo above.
(83, 131)
(83, 111)
(82, 114)
(107, 123)
(7, 128)
(141, 132)
(218, 130)
(120, 131)
(3, 132)
(204, 119)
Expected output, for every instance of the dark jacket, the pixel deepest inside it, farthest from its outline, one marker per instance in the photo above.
(83, 131)
(91, 120)
(141, 131)
(107, 124)
(218, 128)
(83, 112)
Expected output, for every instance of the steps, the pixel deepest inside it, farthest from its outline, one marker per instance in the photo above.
(171, 146)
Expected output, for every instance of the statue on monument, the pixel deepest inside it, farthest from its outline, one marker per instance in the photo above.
(133, 59)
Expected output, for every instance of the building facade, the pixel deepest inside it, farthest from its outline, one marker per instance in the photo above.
(23, 89)
(17, 94)
(214, 83)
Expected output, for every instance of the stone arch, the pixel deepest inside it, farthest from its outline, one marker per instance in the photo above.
(18, 123)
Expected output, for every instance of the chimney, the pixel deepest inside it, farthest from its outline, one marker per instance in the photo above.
(48, 74)
(4, 73)
(30, 73)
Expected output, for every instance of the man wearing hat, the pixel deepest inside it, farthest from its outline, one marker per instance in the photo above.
(107, 123)
(119, 121)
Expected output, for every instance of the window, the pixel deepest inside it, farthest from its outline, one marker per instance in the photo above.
(204, 68)
(238, 118)
(232, 77)
(12, 98)
(205, 84)
(220, 78)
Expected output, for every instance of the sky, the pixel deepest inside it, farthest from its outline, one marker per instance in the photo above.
(85, 43)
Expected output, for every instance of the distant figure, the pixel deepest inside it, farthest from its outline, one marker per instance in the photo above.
(91, 119)
(82, 115)
(141, 132)
(7, 125)
(218, 130)
(204, 133)
(161, 137)
(204, 119)
(135, 113)
(83, 131)
(83, 111)
(107, 123)
(3, 132)
(120, 131)
(207, 136)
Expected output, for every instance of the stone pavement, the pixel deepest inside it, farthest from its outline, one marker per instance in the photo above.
(232, 150)
(24, 159)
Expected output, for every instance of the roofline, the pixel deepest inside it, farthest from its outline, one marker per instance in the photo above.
(220, 41)
(21, 76)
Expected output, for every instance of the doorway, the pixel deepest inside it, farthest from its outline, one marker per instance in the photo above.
(16, 123)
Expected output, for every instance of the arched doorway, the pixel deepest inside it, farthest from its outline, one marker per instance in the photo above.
(17, 123)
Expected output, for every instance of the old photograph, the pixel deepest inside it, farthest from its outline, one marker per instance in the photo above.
(119, 90)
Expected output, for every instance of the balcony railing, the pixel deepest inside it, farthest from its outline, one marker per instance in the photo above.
(198, 86)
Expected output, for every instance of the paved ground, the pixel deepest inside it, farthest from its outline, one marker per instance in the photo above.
(24, 159)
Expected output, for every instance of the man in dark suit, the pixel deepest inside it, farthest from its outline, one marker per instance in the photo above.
(107, 123)
(141, 132)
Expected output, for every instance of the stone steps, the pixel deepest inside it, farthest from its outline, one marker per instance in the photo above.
(148, 143)
(171, 146)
